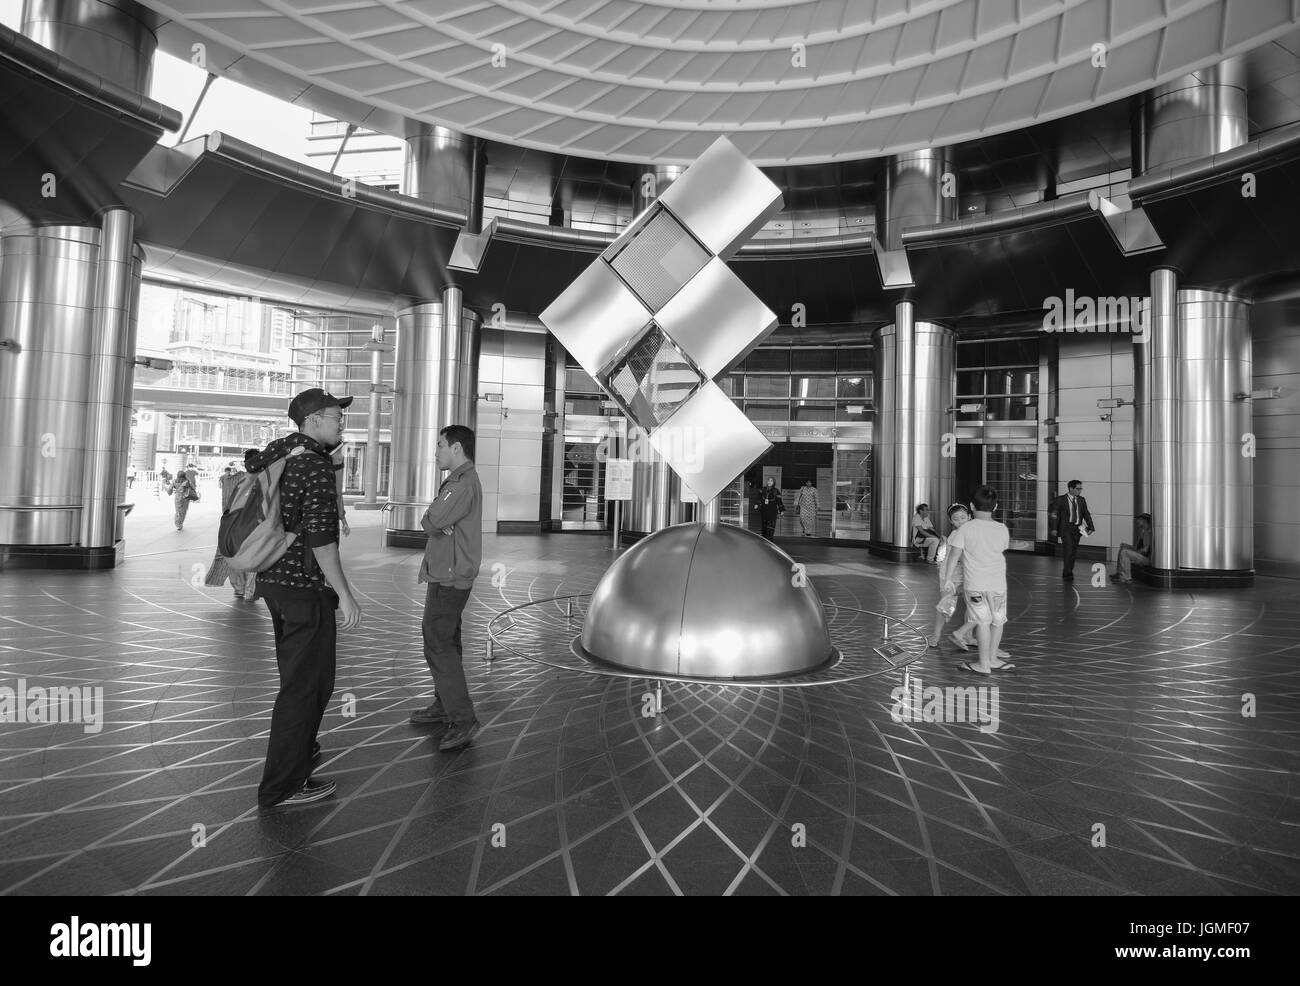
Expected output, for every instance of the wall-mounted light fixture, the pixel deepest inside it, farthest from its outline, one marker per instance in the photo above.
(1110, 403)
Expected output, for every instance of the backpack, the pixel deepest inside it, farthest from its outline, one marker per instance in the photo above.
(251, 537)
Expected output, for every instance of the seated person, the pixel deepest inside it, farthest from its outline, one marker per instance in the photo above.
(924, 536)
(1130, 553)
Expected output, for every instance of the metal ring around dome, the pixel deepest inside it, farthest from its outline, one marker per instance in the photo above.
(551, 637)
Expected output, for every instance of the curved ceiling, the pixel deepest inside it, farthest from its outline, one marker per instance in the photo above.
(789, 81)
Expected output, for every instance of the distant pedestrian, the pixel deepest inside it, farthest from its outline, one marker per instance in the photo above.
(1068, 518)
(770, 507)
(806, 503)
(183, 493)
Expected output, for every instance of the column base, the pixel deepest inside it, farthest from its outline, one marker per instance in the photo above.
(1085, 552)
(892, 552)
(405, 539)
(1194, 578)
(523, 527)
(64, 557)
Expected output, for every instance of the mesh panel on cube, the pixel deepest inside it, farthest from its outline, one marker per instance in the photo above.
(659, 259)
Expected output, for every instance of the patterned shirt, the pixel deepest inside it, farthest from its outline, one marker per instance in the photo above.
(308, 506)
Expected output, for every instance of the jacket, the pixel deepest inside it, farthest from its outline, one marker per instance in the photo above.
(1058, 514)
(308, 507)
(454, 559)
(770, 502)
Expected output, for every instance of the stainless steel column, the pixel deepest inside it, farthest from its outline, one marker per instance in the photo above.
(656, 494)
(47, 306)
(910, 192)
(112, 371)
(1215, 477)
(65, 393)
(1196, 115)
(439, 166)
(112, 38)
(1142, 423)
(1158, 464)
(711, 512)
(915, 383)
(436, 385)
(371, 478)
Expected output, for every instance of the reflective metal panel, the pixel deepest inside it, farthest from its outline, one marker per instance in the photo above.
(117, 293)
(722, 198)
(709, 442)
(918, 188)
(439, 166)
(1196, 116)
(435, 386)
(1216, 527)
(915, 385)
(595, 317)
(114, 40)
(673, 604)
(1164, 498)
(47, 304)
(716, 319)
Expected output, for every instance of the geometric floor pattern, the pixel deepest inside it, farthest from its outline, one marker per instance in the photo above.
(1122, 762)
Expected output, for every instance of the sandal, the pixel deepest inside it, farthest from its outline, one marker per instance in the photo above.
(967, 666)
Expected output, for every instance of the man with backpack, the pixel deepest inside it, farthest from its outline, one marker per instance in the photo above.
(302, 588)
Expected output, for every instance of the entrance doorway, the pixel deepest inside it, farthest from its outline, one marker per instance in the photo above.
(791, 464)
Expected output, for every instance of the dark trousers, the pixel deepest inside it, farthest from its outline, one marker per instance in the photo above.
(443, 606)
(1070, 538)
(305, 639)
(769, 523)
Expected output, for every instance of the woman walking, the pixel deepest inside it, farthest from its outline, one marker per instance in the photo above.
(770, 507)
(182, 490)
(807, 505)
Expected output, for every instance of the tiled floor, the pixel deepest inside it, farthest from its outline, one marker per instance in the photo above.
(1126, 712)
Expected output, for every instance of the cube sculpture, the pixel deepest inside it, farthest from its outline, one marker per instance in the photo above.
(659, 315)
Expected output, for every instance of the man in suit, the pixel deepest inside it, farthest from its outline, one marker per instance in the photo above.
(1068, 518)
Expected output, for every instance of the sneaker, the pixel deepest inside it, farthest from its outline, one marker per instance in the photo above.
(433, 715)
(459, 735)
(310, 791)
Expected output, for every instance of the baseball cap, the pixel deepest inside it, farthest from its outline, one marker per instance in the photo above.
(310, 401)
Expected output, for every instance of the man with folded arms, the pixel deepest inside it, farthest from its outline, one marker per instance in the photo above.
(452, 556)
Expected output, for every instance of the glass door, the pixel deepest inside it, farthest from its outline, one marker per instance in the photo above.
(584, 485)
(852, 479)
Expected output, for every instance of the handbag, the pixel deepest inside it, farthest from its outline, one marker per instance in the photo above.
(192, 495)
